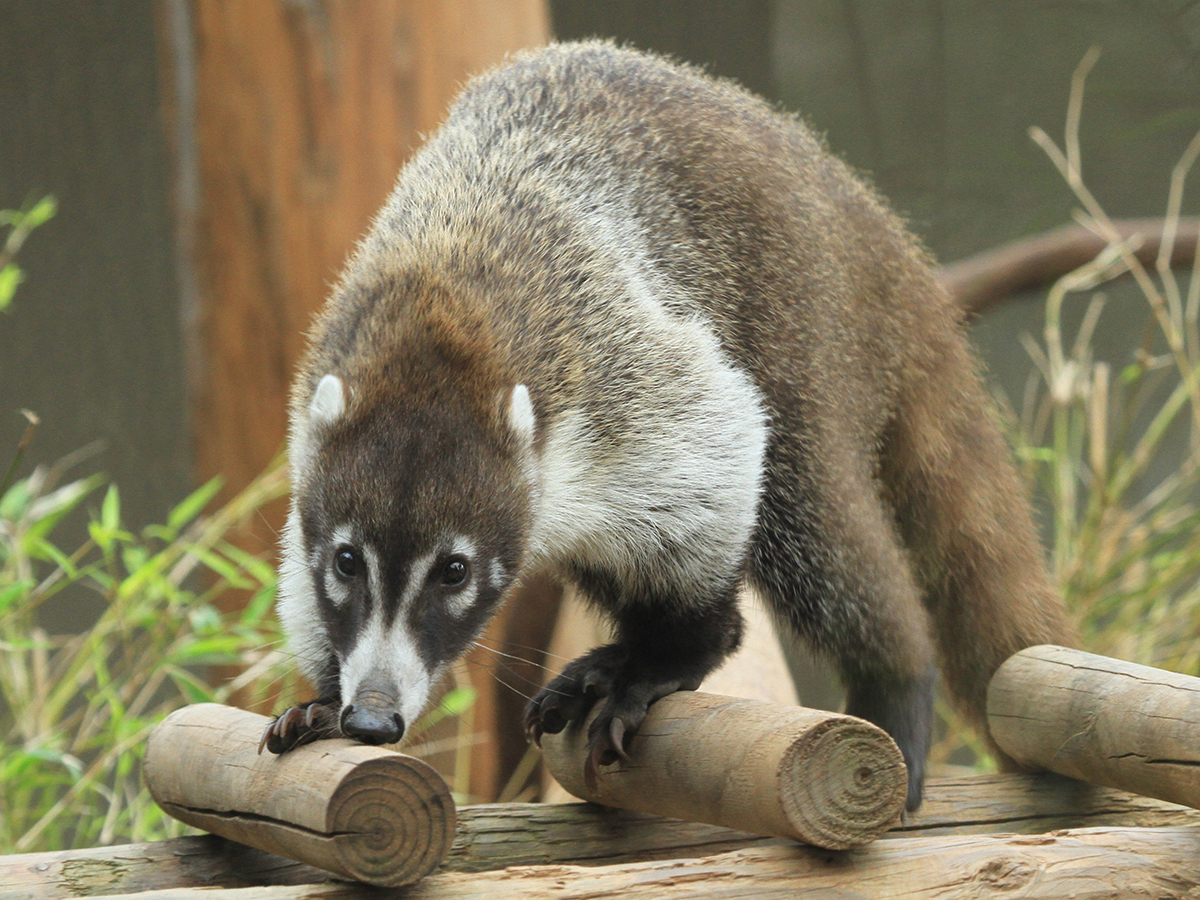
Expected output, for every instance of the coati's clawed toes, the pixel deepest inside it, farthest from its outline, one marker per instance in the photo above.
(598, 755)
(551, 710)
(299, 725)
(568, 698)
(281, 734)
(553, 720)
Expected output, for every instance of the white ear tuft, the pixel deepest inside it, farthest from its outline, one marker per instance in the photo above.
(520, 413)
(328, 402)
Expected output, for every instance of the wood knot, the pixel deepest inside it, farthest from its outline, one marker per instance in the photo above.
(1008, 874)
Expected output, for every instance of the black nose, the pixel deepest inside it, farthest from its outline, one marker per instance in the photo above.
(371, 724)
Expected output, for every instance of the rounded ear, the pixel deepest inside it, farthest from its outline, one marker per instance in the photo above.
(328, 402)
(521, 417)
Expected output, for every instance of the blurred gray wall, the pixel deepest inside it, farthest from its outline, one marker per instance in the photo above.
(92, 343)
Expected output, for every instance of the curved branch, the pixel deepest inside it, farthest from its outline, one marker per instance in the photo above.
(987, 279)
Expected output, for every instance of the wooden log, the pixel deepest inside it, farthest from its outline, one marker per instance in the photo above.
(827, 779)
(1101, 720)
(987, 279)
(497, 835)
(365, 813)
(1088, 864)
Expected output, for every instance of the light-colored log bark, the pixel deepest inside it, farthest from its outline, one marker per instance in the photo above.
(494, 836)
(362, 812)
(823, 778)
(1089, 864)
(1101, 720)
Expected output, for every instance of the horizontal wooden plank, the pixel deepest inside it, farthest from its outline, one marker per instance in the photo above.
(496, 836)
(1098, 863)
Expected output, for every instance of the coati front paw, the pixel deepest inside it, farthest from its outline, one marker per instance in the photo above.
(301, 724)
(624, 691)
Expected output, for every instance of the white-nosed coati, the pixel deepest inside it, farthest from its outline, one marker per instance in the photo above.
(627, 322)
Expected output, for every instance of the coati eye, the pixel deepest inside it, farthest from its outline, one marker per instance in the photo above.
(346, 562)
(455, 572)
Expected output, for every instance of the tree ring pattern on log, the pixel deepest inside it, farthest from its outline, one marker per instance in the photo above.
(392, 821)
(840, 786)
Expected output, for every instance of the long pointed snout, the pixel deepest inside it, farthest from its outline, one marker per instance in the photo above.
(373, 717)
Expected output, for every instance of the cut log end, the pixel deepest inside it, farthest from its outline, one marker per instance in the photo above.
(392, 821)
(841, 784)
(364, 813)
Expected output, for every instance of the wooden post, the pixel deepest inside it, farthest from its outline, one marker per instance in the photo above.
(365, 813)
(1101, 720)
(827, 779)
(304, 114)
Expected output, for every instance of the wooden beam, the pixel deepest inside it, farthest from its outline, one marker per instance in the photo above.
(757, 671)
(494, 836)
(366, 813)
(987, 279)
(1099, 863)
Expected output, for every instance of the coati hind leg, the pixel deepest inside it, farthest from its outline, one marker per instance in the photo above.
(662, 646)
(827, 558)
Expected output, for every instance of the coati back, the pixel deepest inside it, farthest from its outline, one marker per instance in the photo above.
(626, 322)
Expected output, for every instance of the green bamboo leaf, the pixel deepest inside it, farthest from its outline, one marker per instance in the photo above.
(255, 566)
(15, 500)
(457, 701)
(40, 213)
(110, 510)
(223, 567)
(191, 505)
(16, 592)
(1131, 373)
(47, 511)
(43, 550)
(10, 276)
(209, 651)
(258, 607)
(193, 689)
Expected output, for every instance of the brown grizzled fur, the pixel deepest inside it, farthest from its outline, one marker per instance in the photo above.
(626, 322)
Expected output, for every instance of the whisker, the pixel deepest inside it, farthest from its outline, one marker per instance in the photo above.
(539, 650)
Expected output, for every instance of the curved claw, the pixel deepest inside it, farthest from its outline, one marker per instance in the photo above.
(591, 766)
(266, 736)
(533, 733)
(616, 736)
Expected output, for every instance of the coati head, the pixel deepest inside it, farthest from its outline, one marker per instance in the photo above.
(409, 521)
